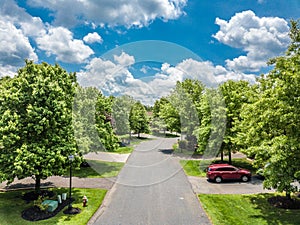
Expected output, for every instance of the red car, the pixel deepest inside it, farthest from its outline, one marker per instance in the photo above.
(220, 172)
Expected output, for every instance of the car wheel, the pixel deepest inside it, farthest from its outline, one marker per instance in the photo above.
(245, 178)
(218, 179)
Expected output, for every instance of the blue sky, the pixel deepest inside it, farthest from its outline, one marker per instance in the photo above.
(107, 41)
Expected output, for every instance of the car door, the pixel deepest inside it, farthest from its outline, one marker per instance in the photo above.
(229, 173)
(235, 173)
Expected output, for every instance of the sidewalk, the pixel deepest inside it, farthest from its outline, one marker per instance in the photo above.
(107, 156)
(58, 181)
(64, 181)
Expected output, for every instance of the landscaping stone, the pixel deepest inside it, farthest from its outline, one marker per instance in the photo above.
(51, 205)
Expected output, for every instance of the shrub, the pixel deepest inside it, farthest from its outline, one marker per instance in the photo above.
(39, 204)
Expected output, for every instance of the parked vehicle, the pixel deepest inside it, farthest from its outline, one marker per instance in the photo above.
(220, 172)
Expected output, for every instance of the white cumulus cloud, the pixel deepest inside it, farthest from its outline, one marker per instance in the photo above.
(59, 41)
(30, 26)
(114, 77)
(210, 74)
(260, 37)
(93, 38)
(124, 59)
(17, 29)
(14, 48)
(127, 13)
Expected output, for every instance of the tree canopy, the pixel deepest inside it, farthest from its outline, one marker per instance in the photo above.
(138, 119)
(269, 130)
(235, 95)
(36, 132)
(120, 114)
(104, 126)
(84, 120)
(210, 133)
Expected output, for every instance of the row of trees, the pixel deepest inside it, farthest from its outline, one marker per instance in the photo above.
(46, 116)
(260, 119)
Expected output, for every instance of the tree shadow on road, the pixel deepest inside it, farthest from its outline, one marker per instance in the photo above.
(167, 151)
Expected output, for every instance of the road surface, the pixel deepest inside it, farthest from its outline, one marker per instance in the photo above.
(152, 189)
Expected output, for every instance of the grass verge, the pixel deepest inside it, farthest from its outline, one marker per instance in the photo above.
(12, 206)
(192, 167)
(98, 169)
(246, 210)
(124, 150)
(166, 135)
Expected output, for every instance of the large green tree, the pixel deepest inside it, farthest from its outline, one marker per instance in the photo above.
(235, 94)
(169, 117)
(84, 120)
(159, 121)
(138, 119)
(120, 114)
(270, 126)
(210, 133)
(184, 98)
(36, 133)
(104, 124)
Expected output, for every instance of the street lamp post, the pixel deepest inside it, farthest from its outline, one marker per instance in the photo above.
(71, 158)
(70, 209)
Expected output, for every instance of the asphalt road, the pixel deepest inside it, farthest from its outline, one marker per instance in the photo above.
(152, 189)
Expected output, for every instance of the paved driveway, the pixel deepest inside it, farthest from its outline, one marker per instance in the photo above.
(201, 185)
(151, 189)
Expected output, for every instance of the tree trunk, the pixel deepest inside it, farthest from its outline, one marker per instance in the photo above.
(229, 156)
(222, 151)
(288, 195)
(37, 184)
(222, 155)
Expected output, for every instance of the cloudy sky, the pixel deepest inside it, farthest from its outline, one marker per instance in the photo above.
(142, 47)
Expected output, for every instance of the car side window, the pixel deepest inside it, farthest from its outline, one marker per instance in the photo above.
(226, 169)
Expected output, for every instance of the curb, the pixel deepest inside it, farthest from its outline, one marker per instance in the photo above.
(103, 206)
(106, 200)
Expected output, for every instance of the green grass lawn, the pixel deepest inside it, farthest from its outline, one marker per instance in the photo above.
(12, 206)
(166, 135)
(246, 209)
(124, 150)
(192, 167)
(98, 169)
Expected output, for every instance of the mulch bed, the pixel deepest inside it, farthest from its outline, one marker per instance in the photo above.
(34, 213)
(31, 196)
(284, 203)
